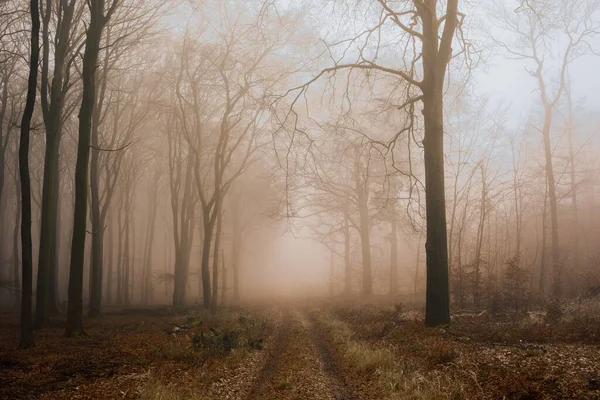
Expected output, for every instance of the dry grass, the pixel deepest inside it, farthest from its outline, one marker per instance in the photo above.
(476, 356)
(382, 362)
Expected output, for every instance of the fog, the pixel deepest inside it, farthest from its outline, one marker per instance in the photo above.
(270, 149)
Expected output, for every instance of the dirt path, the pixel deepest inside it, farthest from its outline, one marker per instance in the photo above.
(301, 365)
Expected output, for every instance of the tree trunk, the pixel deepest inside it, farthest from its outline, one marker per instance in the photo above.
(416, 289)
(53, 292)
(15, 249)
(126, 253)
(479, 243)
(365, 240)
(27, 339)
(183, 236)
(109, 274)
(347, 267)
(120, 257)
(436, 56)
(147, 281)
(97, 254)
(394, 250)
(182, 264)
(215, 277)
(88, 99)
(131, 270)
(47, 296)
(236, 247)
(574, 210)
(97, 231)
(556, 262)
(224, 280)
(206, 245)
(544, 240)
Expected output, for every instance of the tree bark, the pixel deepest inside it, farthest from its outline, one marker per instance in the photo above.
(27, 339)
(436, 55)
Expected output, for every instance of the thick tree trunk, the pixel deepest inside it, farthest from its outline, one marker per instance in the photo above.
(27, 339)
(436, 55)
(438, 292)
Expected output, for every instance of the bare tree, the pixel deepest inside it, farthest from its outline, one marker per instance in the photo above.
(419, 22)
(52, 106)
(536, 27)
(27, 339)
(99, 17)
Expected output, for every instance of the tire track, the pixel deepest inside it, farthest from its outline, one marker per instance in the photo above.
(339, 385)
(265, 377)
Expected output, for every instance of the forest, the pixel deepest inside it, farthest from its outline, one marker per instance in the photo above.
(315, 199)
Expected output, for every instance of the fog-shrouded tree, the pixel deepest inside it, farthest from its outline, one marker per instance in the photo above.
(123, 95)
(431, 38)
(549, 36)
(223, 89)
(62, 39)
(99, 15)
(27, 339)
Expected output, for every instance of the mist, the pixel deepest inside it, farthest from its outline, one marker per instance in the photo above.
(340, 170)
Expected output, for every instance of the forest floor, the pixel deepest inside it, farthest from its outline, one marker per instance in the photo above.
(311, 350)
